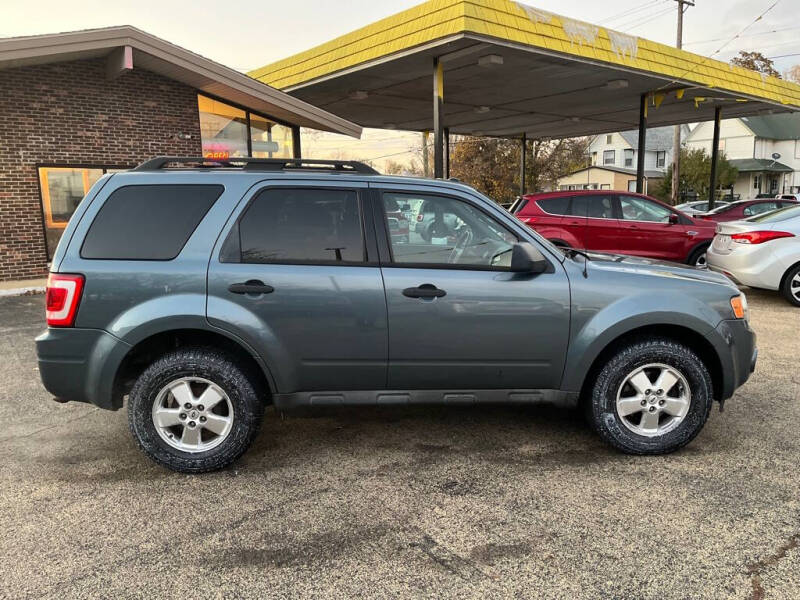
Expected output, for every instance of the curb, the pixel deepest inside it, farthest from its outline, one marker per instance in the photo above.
(23, 291)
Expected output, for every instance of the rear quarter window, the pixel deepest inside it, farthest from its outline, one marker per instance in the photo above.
(148, 222)
(555, 206)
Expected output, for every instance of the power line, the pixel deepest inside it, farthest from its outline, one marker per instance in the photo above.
(747, 36)
(641, 22)
(626, 13)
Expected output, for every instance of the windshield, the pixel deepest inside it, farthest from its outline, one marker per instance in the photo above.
(722, 209)
(782, 214)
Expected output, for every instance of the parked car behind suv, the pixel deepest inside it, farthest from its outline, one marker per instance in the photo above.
(697, 206)
(617, 222)
(744, 209)
(761, 252)
(201, 294)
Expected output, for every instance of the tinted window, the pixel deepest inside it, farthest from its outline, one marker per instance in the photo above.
(757, 209)
(639, 209)
(300, 225)
(600, 206)
(555, 206)
(148, 222)
(456, 233)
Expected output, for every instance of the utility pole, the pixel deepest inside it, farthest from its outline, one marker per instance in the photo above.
(676, 136)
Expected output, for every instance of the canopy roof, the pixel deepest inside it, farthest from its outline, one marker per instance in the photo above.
(511, 69)
(127, 47)
(746, 165)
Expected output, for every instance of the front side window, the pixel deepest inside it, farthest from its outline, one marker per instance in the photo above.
(447, 231)
(298, 225)
(555, 206)
(608, 157)
(639, 209)
(62, 189)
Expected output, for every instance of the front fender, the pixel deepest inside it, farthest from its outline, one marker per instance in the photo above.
(592, 331)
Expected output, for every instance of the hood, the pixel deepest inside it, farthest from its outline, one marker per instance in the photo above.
(654, 268)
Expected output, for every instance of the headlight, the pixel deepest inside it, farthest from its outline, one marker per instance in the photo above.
(739, 306)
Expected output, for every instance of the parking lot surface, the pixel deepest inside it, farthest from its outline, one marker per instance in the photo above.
(388, 502)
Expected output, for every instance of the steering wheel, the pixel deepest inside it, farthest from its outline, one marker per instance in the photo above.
(464, 236)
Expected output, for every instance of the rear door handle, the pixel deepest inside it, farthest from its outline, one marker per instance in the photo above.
(426, 290)
(251, 287)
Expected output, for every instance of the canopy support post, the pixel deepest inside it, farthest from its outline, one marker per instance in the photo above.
(296, 151)
(438, 132)
(447, 152)
(712, 193)
(523, 158)
(640, 152)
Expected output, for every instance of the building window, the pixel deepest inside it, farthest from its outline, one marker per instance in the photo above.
(227, 132)
(661, 159)
(62, 189)
(757, 182)
(594, 158)
(631, 185)
(628, 158)
(608, 138)
(608, 157)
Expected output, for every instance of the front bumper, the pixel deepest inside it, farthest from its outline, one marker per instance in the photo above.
(80, 364)
(735, 343)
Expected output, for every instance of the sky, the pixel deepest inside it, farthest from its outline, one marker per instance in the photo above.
(245, 35)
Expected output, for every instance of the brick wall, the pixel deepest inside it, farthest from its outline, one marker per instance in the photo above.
(69, 114)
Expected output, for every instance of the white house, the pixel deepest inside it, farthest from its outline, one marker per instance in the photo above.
(620, 149)
(765, 150)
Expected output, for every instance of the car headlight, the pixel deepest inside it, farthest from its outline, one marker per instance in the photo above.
(740, 308)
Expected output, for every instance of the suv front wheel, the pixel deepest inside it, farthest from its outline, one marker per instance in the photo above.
(651, 397)
(194, 410)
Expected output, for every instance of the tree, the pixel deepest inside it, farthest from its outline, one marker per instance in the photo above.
(755, 61)
(793, 74)
(695, 174)
(491, 165)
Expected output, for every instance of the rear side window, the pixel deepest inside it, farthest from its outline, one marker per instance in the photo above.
(148, 222)
(291, 225)
(555, 206)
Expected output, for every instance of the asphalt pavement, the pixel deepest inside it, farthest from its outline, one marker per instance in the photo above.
(458, 502)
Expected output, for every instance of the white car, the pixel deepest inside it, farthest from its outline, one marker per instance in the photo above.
(795, 197)
(698, 206)
(761, 252)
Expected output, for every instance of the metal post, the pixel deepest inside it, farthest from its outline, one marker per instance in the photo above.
(438, 133)
(447, 152)
(642, 142)
(296, 142)
(522, 159)
(712, 194)
(676, 135)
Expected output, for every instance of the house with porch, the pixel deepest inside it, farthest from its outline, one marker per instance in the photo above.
(765, 149)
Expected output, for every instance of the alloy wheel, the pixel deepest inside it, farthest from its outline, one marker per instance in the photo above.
(653, 400)
(192, 414)
(794, 287)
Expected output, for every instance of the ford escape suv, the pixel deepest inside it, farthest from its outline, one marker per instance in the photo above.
(202, 291)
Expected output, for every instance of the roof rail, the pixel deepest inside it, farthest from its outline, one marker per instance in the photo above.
(260, 164)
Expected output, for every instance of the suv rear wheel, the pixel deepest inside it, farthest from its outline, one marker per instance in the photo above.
(194, 410)
(698, 257)
(651, 397)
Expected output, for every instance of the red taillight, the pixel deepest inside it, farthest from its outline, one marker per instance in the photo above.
(63, 296)
(759, 237)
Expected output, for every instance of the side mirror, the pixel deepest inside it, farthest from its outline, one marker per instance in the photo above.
(674, 219)
(526, 258)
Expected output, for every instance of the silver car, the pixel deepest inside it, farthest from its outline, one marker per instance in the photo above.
(698, 206)
(761, 252)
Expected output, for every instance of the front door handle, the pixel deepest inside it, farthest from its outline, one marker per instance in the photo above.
(426, 290)
(251, 287)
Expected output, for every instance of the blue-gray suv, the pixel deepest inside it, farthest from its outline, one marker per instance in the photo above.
(202, 292)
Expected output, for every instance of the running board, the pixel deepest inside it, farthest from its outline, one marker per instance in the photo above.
(400, 397)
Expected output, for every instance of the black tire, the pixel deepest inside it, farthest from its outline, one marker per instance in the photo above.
(698, 255)
(787, 286)
(601, 404)
(209, 364)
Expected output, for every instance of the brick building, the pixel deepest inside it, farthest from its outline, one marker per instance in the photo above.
(76, 105)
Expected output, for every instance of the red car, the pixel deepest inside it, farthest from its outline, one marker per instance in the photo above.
(618, 223)
(743, 209)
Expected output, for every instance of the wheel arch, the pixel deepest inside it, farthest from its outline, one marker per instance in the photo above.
(678, 333)
(785, 275)
(146, 350)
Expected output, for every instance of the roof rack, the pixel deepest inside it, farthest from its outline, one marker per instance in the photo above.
(260, 164)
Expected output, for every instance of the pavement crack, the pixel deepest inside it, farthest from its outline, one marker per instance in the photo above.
(449, 560)
(43, 429)
(755, 569)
